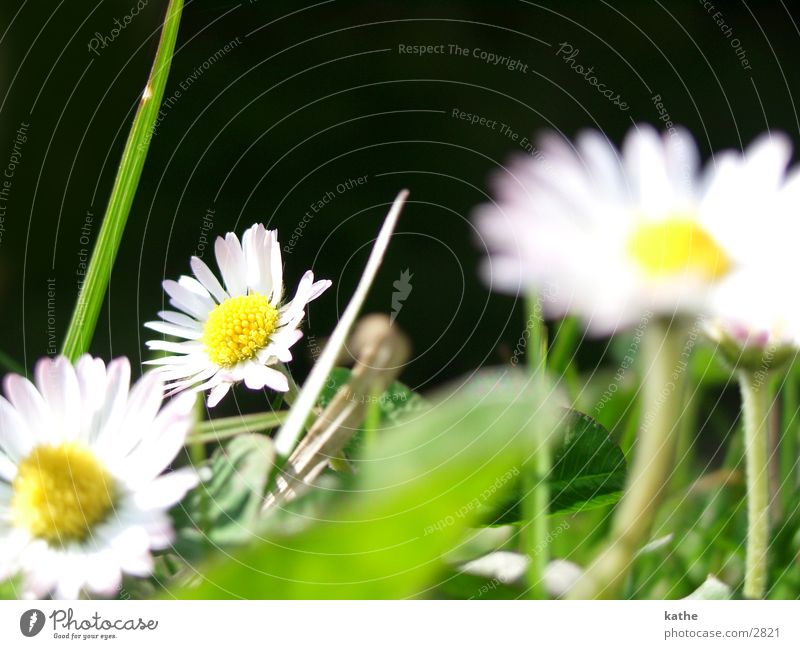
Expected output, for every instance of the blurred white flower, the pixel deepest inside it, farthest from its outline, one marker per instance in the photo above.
(234, 333)
(611, 235)
(82, 498)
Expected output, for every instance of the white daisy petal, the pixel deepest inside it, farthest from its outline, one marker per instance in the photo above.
(208, 279)
(258, 376)
(91, 374)
(252, 242)
(58, 384)
(217, 393)
(167, 490)
(30, 405)
(16, 439)
(160, 443)
(175, 347)
(276, 267)
(174, 330)
(230, 260)
(8, 470)
(180, 319)
(103, 574)
(187, 301)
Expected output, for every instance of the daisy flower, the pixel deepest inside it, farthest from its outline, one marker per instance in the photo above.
(236, 332)
(754, 324)
(610, 235)
(82, 498)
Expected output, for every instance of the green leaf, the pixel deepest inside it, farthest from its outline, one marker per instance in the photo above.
(588, 471)
(90, 299)
(417, 493)
(224, 510)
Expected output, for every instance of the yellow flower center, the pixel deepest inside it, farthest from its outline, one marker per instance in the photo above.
(239, 328)
(677, 245)
(60, 492)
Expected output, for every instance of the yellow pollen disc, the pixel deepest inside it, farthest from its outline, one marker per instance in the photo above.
(239, 328)
(677, 245)
(60, 492)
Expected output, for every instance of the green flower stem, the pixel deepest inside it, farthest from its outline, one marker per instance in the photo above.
(756, 402)
(90, 299)
(789, 453)
(536, 491)
(664, 379)
(217, 430)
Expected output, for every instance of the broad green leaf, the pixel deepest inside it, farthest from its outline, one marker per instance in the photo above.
(224, 510)
(417, 493)
(588, 471)
(93, 291)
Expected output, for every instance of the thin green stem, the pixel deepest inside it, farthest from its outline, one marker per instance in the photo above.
(789, 454)
(687, 430)
(563, 351)
(652, 462)
(536, 491)
(372, 417)
(215, 430)
(756, 403)
(92, 293)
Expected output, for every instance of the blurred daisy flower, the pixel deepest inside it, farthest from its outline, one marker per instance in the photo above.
(82, 498)
(236, 332)
(610, 236)
(752, 319)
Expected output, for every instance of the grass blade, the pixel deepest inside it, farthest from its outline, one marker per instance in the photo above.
(290, 433)
(90, 299)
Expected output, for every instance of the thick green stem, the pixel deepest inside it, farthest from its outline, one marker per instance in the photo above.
(662, 347)
(536, 492)
(756, 402)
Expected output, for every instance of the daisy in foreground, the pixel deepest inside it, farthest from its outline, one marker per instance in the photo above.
(236, 332)
(82, 498)
(610, 235)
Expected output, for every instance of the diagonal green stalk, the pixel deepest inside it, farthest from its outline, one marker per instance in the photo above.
(92, 293)
(756, 403)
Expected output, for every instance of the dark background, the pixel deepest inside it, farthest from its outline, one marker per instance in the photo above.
(317, 93)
